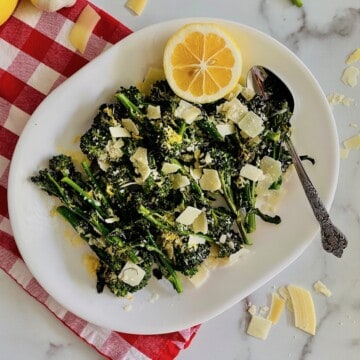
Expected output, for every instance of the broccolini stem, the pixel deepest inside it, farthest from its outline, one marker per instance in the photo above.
(270, 219)
(250, 220)
(130, 106)
(94, 203)
(129, 251)
(149, 216)
(97, 187)
(182, 129)
(194, 185)
(229, 198)
(171, 274)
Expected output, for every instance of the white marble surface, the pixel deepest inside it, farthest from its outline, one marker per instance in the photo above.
(322, 34)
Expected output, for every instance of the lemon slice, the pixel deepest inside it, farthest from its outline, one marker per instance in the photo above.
(202, 62)
(7, 7)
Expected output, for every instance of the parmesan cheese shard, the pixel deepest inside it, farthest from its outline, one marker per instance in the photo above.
(350, 75)
(200, 224)
(188, 216)
(353, 57)
(276, 308)
(271, 167)
(353, 142)
(137, 6)
(234, 110)
(187, 112)
(153, 112)
(119, 132)
(259, 327)
(83, 28)
(179, 181)
(168, 168)
(321, 288)
(304, 310)
(210, 180)
(251, 124)
(130, 126)
(251, 172)
(131, 274)
(284, 293)
(140, 162)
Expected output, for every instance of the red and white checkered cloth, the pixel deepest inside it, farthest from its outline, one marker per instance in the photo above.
(36, 57)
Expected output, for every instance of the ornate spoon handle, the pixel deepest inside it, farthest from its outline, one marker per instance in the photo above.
(333, 240)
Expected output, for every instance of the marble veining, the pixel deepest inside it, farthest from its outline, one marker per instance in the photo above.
(321, 33)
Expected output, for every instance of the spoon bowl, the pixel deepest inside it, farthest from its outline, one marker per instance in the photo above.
(270, 87)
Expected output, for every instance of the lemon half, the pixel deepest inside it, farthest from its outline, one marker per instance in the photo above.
(202, 62)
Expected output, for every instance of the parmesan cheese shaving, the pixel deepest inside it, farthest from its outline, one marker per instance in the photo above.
(277, 306)
(353, 57)
(350, 75)
(321, 288)
(259, 327)
(304, 310)
(82, 29)
(353, 142)
(251, 172)
(137, 6)
(210, 180)
(251, 124)
(188, 216)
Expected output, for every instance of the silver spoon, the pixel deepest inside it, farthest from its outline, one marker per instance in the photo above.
(333, 240)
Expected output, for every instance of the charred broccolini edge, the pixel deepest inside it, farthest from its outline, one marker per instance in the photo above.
(146, 162)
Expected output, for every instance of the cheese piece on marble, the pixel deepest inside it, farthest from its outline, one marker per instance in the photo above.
(321, 288)
(259, 327)
(137, 6)
(80, 33)
(276, 308)
(353, 57)
(350, 75)
(353, 142)
(304, 309)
